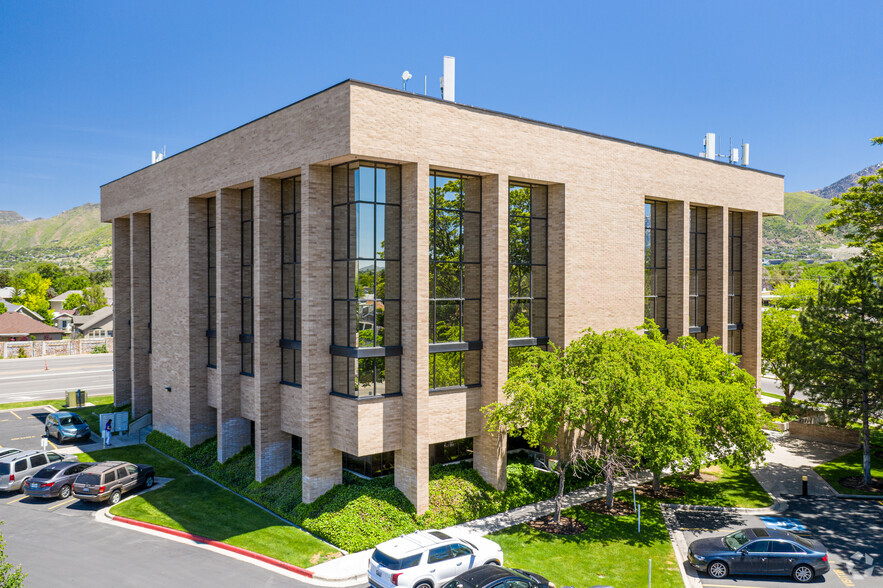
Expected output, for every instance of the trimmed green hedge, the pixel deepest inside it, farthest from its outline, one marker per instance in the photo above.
(359, 513)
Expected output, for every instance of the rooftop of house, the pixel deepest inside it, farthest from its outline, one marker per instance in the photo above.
(14, 323)
(86, 322)
(108, 293)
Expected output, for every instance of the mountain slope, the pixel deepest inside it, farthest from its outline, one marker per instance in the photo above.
(794, 234)
(74, 236)
(9, 217)
(844, 184)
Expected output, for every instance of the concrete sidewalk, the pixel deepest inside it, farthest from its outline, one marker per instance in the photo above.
(790, 460)
(354, 567)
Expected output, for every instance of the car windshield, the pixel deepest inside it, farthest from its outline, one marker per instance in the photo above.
(70, 420)
(736, 540)
(4, 469)
(88, 479)
(46, 473)
(395, 564)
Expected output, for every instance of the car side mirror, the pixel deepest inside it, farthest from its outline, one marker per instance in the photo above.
(743, 552)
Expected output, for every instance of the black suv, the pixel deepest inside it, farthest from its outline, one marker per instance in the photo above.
(110, 479)
(491, 576)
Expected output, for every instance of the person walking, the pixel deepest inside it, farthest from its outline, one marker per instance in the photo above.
(108, 427)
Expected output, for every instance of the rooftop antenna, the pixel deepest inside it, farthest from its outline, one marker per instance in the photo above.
(447, 80)
(406, 75)
(157, 156)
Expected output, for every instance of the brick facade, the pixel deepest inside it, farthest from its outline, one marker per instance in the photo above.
(597, 187)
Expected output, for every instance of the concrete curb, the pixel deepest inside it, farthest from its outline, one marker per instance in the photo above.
(213, 543)
(778, 506)
(679, 544)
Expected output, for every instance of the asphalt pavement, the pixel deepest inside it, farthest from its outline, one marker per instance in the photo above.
(23, 428)
(851, 530)
(42, 378)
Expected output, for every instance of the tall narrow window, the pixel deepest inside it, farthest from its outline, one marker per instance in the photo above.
(454, 280)
(735, 285)
(211, 329)
(655, 262)
(366, 279)
(246, 337)
(290, 341)
(698, 271)
(527, 263)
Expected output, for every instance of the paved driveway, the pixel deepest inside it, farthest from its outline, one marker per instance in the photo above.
(852, 531)
(42, 378)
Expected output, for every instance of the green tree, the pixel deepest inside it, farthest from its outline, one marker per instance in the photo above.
(795, 296)
(5, 278)
(841, 354)
(859, 213)
(11, 576)
(667, 436)
(2, 308)
(93, 298)
(31, 292)
(73, 301)
(726, 411)
(781, 328)
(544, 405)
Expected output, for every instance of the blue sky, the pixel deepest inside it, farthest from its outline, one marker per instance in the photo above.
(90, 88)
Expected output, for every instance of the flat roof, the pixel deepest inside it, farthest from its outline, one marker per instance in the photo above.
(458, 105)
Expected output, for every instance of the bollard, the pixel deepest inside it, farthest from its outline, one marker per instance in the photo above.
(805, 486)
(639, 518)
(634, 500)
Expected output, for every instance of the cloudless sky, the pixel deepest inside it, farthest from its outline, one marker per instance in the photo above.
(89, 88)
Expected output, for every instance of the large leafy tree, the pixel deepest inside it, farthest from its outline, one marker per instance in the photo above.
(31, 292)
(781, 329)
(94, 299)
(544, 405)
(841, 355)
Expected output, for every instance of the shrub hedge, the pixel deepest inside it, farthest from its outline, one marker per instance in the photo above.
(359, 513)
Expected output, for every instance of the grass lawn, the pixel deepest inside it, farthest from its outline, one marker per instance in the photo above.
(849, 465)
(193, 504)
(57, 403)
(610, 551)
(196, 505)
(734, 487)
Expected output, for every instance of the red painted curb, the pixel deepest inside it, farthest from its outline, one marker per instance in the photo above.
(218, 544)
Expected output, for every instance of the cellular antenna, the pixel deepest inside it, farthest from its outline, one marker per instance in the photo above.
(406, 75)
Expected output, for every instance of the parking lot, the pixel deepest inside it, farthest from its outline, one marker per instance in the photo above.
(852, 531)
(23, 428)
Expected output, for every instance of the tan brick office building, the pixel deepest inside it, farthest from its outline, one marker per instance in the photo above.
(348, 275)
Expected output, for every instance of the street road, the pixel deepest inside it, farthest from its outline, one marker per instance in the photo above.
(28, 379)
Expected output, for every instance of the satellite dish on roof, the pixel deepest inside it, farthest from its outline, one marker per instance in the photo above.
(406, 75)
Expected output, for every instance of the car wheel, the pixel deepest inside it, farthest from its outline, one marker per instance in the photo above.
(423, 584)
(24, 483)
(148, 482)
(65, 492)
(718, 569)
(492, 562)
(114, 497)
(803, 573)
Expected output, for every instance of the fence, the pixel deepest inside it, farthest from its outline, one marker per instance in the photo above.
(12, 349)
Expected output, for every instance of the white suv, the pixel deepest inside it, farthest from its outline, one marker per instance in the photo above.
(427, 559)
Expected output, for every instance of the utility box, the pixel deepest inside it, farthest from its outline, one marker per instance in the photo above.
(75, 398)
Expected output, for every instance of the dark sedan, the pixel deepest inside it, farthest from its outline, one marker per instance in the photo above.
(65, 426)
(55, 480)
(762, 552)
(491, 576)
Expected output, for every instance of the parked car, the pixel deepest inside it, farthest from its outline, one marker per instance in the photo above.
(18, 467)
(491, 576)
(67, 426)
(428, 558)
(55, 480)
(110, 480)
(762, 552)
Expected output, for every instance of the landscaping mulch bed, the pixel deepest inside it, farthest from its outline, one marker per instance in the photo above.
(619, 509)
(566, 525)
(858, 483)
(665, 492)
